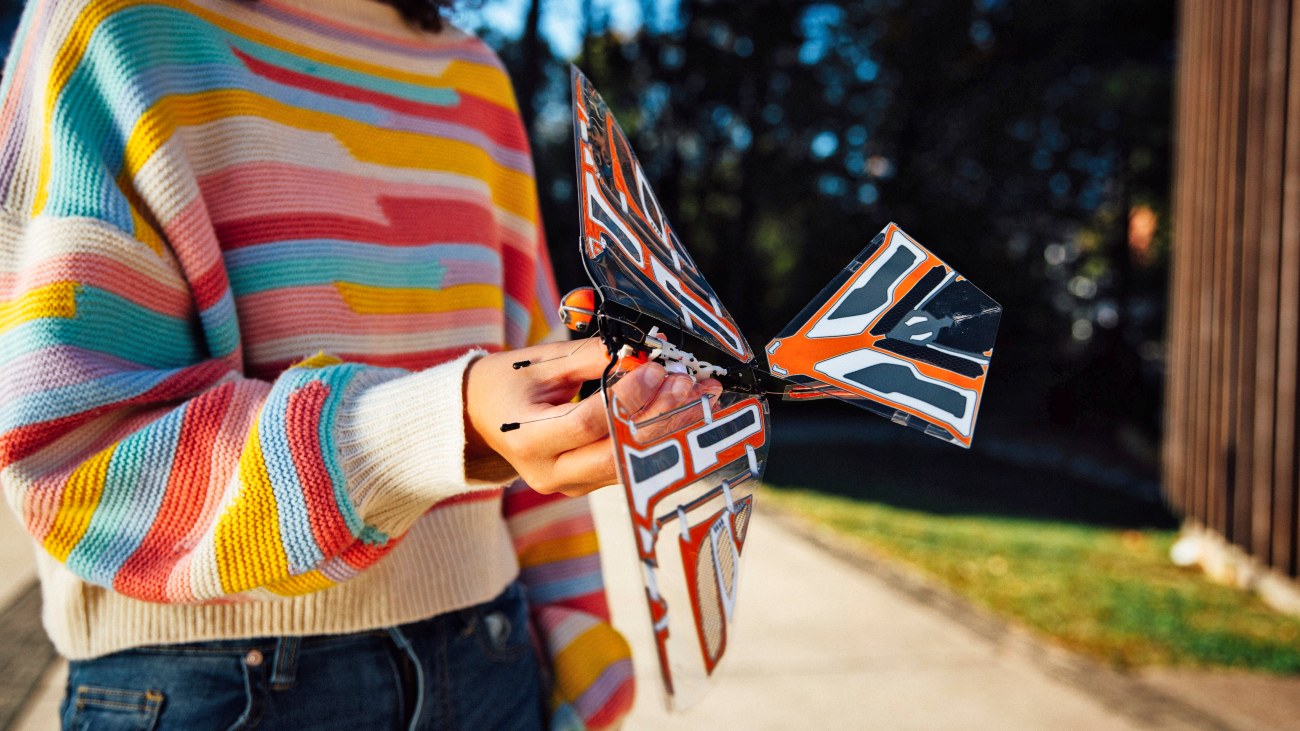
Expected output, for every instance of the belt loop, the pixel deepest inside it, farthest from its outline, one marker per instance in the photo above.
(404, 644)
(284, 669)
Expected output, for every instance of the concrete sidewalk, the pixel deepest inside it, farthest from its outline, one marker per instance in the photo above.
(829, 640)
(820, 644)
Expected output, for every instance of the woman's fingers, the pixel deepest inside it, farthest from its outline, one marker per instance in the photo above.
(580, 470)
(556, 445)
(678, 389)
(678, 406)
(590, 467)
(586, 422)
(570, 364)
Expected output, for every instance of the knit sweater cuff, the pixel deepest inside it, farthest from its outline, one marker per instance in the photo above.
(402, 443)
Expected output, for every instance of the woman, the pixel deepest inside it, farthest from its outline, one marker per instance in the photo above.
(197, 195)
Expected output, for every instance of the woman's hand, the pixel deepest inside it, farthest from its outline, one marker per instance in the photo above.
(560, 446)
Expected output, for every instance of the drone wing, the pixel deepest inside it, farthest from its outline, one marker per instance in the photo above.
(898, 332)
(691, 472)
(629, 248)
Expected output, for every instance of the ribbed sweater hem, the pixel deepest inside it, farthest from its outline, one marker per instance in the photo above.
(456, 556)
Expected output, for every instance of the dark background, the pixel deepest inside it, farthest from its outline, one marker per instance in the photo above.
(1026, 143)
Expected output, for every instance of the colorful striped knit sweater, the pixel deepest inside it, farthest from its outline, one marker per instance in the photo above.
(194, 197)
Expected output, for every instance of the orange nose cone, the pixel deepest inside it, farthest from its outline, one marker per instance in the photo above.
(578, 308)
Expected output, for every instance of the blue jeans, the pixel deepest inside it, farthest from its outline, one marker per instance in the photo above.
(470, 669)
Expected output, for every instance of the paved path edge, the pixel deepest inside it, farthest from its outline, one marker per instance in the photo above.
(1120, 691)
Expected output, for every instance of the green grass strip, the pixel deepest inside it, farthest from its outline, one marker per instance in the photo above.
(1108, 592)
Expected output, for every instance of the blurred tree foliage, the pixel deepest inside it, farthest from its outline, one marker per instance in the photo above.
(1027, 143)
(10, 10)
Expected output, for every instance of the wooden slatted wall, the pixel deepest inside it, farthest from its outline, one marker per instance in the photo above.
(1231, 417)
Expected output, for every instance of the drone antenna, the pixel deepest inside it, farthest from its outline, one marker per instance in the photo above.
(512, 425)
(525, 363)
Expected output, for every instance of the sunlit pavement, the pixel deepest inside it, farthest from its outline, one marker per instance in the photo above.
(821, 645)
(827, 642)
(822, 642)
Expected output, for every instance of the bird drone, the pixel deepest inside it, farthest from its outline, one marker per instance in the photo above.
(897, 332)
